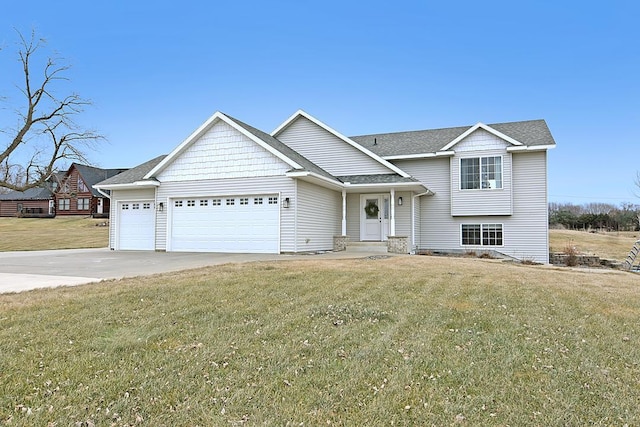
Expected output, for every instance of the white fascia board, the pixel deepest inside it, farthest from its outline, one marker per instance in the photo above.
(301, 113)
(531, 148)
(315, 176)
(184, 144)
(204, 128)
(128, 186)
(419, 156)
(474, 128)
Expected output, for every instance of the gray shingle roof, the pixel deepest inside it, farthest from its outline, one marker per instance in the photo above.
(530, 133)
(284, 149)
(134, 174)
(92, 175)
(375, 179)
(37, 193)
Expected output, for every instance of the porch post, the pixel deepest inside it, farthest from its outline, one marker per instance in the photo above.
(392, 224)
(344, 212)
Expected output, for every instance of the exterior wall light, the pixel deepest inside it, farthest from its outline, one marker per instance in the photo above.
(286, 202)
(400, 201)
(160, 206)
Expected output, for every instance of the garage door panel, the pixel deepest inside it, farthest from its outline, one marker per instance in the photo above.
(242, 223)
(136, 228)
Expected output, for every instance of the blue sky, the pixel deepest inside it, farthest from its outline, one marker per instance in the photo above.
(156, 70)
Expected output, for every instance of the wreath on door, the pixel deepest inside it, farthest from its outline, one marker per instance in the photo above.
(371, 209)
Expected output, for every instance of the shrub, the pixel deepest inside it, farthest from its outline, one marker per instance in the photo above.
(572, 255)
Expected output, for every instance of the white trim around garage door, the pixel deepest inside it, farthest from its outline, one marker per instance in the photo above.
(234, 223)
(136, 225)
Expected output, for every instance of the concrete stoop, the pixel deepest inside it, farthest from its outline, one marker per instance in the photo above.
(376, 247)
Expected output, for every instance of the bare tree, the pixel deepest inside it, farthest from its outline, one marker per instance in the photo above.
(45, 133)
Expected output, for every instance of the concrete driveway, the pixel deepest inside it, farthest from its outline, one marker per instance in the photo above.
(20, 271)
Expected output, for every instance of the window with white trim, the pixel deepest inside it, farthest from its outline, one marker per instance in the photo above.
(82, 187)
(481, 234)
(135, 206)
(191, 203)
(481, 173)
(257, 201)
(64, 204)
(204, 202)
(231, 202)
(216, 202)
(83, 204)
(273, 200)
(146, 206)
(244, 201)
(177, 203)
(125, 206)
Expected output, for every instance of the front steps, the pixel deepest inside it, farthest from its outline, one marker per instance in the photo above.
(375, 247)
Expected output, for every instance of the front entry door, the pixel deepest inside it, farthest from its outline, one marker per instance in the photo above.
(374, 217)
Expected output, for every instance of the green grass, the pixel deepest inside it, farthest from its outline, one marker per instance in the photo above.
(62, 232)
(400, 341)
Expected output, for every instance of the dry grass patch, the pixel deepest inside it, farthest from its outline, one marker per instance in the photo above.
(609, 245)
(399, 341)
(71, 232)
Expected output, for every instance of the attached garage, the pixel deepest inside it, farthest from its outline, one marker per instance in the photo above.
(136, 229)
(238, 223)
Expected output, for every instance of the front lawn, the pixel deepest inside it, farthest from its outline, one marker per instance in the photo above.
(401, 341)
(61, 232)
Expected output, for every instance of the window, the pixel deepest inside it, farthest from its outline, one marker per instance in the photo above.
(125, 206)
(273, 200)
(231, 202)
(177, 203)
(83, 204)
(482, 234)
(244, 201)
(204, 202)
(191, 203)
(481, 173)
(216, 202)
(257, 201)
(64, 204)
(135, 206)
(82, 187)
(146, 206)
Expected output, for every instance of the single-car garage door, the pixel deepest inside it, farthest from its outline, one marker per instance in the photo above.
(136, 228)
(241, 223)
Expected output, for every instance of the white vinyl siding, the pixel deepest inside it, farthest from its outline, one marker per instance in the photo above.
(328, 151)
(319, 213)
(481, 145)
(525, 232)
(403, 214)
(223, 152)
(213, 188)
(353, 216)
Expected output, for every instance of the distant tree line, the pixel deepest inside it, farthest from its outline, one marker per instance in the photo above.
(595, 216)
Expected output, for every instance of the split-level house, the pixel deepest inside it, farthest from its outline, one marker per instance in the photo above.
(306, 187)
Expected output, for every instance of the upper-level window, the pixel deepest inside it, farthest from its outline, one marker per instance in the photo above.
(481, 173)
(82, 187)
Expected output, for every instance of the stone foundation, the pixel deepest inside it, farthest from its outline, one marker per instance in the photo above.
(340, 243)
(398, 244)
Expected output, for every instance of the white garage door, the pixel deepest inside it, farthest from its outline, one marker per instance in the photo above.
(244, 223)
(136, 227)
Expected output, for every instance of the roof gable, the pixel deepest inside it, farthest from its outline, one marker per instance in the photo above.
(523, 135)
(366, 152)
(206, 126)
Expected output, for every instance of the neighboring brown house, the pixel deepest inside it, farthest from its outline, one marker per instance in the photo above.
(64, 193)
(75, 195)
(33, 203)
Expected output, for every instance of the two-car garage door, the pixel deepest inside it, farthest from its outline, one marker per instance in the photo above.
(241, 223)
